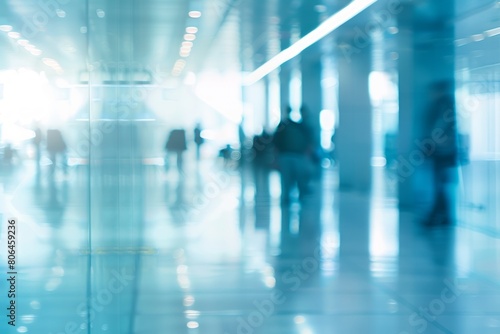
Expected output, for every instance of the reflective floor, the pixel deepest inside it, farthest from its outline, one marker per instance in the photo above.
(212, 251)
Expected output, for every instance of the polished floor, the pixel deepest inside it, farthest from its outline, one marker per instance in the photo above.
(212, 251)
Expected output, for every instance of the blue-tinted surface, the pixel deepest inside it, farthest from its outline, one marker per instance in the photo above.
(216, 250)
(120, 245)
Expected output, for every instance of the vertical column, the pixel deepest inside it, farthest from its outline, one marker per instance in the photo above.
(260, 38)
(285, 41)
(311, 70)
(354, 134)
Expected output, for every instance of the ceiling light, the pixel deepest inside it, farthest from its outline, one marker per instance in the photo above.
(23, 42)
(393, 30)
(191, 30)
(184, 54)
(186, 49)
(193, 324)
(330, 24)
(477, 37)
(492, 32)
(320, 8)
(461, 42)
(5, 28)
(49, 62)
(61, 13)
(187, 44)
(189, 37)
(100, 13)
(35, 52)
(195, 14)
(14, 35)
(180, 62)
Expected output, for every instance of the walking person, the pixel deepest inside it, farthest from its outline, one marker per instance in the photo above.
(441, 117)
(293, 144)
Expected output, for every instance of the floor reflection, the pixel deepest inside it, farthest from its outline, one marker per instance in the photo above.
(123, 246)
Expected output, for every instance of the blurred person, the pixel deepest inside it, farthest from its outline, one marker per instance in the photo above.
(226, 154)
(56, 147)
(442, 152)
(293, 144)
(37, 143)
(8, 154)
(198, 140)
(262, 149)
(176, 143)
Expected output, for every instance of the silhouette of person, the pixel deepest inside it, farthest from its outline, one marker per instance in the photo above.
(37, 143)
(198, 140)
(56, 147)
(293, 144)
(176, 143)
(8, 154)
(441, 127)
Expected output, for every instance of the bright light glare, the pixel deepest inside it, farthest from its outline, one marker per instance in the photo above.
(222, 93)
(327, 119)
(380, 87)
(329, 25)
(28, 96)
(191, 30)
(12, 133)
(189, 37)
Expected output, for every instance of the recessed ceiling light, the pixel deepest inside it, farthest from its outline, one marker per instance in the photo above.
(189, 37)
(195, 14)
(187, 44)
(14, 35)
(320, 8)
(5, 28)
(23, 42)
(61, 13)
(393, 30)
(49, 62)
(191, 30)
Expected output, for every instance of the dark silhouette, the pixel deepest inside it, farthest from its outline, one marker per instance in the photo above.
(441, 131)
(8, 154)
(37, 143)
(56, 147)
(198, 140)
(293, 144)
(176, 143)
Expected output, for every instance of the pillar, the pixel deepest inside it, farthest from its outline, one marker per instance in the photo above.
(311, 70)
(354, 132)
